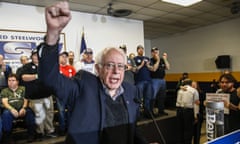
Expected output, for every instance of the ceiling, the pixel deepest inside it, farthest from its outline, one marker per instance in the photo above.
(160, 19)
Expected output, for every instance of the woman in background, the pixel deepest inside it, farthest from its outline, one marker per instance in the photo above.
(200, 118)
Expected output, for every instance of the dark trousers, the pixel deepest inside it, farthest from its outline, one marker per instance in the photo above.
(62, 115)
(161, 99)
(147, 94)
(159, 93)
(226, 124)
(7, 121)
(197, 129)
(185, 121)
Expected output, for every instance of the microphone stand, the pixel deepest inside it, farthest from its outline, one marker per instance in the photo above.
(162, 139)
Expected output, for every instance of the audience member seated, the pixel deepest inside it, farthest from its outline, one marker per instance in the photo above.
(15, 106)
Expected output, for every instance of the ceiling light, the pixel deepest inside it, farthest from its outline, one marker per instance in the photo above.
(184, 3)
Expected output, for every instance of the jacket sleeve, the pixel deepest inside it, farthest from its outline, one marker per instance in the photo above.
(49, 74)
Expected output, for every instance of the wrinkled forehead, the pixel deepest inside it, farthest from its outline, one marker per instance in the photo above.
(114, 56)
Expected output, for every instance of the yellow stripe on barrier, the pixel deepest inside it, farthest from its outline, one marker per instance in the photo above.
(204, 77)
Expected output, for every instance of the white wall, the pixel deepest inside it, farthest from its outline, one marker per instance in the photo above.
(100, 31)
(196, 50)
(147, 46)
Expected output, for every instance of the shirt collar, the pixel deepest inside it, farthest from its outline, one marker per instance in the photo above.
(119, 91)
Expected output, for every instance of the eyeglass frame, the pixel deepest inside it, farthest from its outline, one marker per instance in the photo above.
(111, 66)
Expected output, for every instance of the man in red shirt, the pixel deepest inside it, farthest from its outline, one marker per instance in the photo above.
(65, 68)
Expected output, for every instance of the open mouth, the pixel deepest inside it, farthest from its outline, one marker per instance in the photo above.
(114, 80)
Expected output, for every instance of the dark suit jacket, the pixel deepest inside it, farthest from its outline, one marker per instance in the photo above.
(84, 95)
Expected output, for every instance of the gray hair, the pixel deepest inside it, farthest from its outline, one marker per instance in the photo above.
(101, 55)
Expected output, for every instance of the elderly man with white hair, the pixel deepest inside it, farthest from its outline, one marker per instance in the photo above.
(103, 108)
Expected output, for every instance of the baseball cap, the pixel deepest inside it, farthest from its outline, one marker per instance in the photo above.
(140, 47)
(123, 47)
(88, 51)
(154, 48)
(34, 51)
(64, 53)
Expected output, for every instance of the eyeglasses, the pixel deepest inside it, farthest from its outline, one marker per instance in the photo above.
(111, 66)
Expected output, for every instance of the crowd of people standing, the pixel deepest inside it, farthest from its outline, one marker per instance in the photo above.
(102, 96)
(36, 100)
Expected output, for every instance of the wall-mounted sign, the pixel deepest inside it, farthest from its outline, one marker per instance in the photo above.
(15, 43)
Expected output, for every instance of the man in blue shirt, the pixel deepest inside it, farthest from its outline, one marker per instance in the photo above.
(143, 81)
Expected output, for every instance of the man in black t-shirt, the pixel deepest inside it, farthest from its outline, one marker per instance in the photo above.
(158, 66)
(39, 96)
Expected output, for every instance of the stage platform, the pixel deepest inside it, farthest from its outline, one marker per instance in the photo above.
(167, 126)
